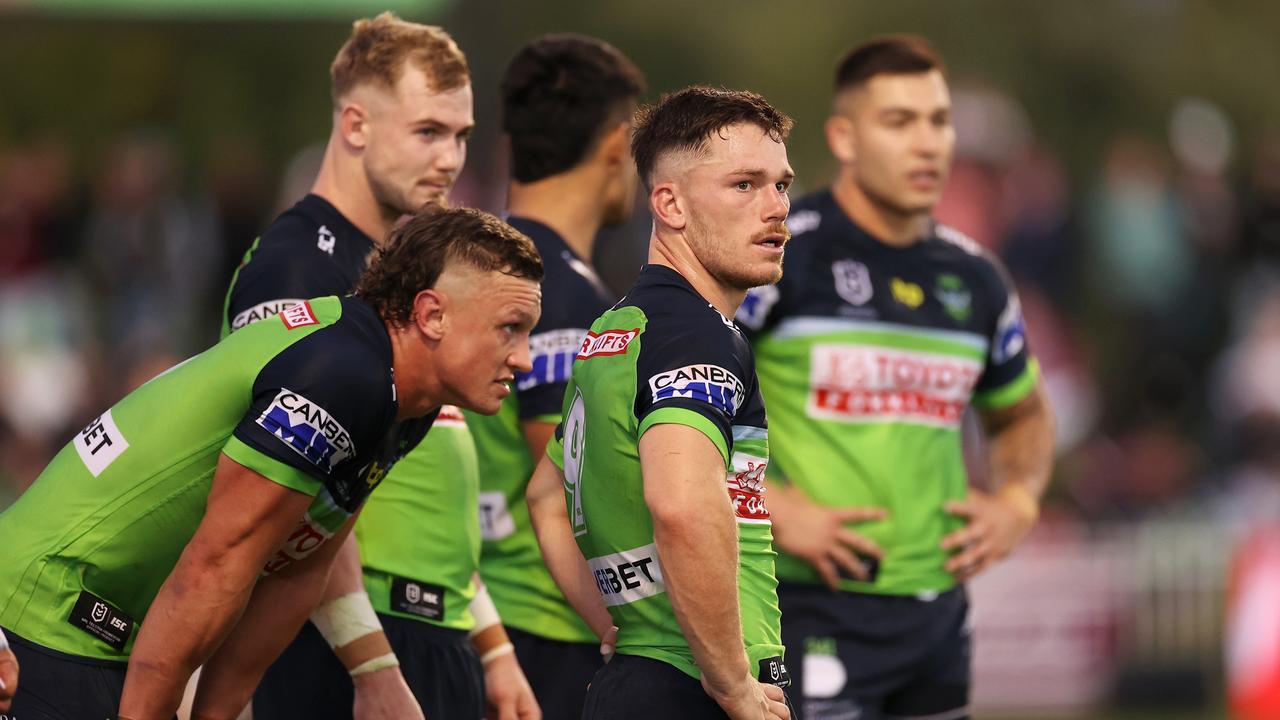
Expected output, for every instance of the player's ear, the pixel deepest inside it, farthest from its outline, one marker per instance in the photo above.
(840, 138)
(667, 206)
(353, 124)
(429, 308)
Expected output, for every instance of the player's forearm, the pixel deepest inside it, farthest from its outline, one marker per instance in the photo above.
(277, 609)
(195, 608)
(560, 552)
(1021, 447)
(698, 550)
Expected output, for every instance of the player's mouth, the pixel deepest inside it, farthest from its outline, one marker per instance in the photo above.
(773, 242)
(924, 179)
(504, 387)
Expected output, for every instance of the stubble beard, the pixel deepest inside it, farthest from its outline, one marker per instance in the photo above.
(724, 265)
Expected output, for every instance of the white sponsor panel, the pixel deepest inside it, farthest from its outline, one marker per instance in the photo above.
(628, 576)
(100, 443)
(746, 488)
(496, 522)
(305, 539)
(556, 341)
(308, 429)
(263, 310)
(856, 383)
(708, 383)
(450, 416)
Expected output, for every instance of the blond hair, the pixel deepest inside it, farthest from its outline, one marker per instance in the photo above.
(378, 49)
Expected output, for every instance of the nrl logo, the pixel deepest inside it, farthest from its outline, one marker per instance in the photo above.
(954, 296)
(853, 281)
(752, 479)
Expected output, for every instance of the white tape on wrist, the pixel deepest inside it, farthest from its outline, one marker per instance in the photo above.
(4, 641)
(373, 665)
(484, 611)
(494, 653)
(346, 618)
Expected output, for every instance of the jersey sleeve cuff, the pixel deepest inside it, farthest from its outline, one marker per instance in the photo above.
(555, 451)
(1012, 392)
(688, 418)
(270, 468)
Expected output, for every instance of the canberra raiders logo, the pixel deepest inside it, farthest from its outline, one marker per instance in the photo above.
(954, 296)
(853, 281)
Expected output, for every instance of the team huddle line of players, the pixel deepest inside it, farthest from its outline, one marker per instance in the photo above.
(549, 536)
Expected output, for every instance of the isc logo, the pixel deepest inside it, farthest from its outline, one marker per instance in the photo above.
(708, 383)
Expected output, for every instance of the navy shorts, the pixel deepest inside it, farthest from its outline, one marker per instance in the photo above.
(876, 657)
(559, 672)
(631, 687)
(438, 664)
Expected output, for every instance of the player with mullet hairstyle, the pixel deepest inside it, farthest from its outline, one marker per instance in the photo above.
(887, 326)
(663, 423)
(194, 523)
(398, 611)
(567, 102)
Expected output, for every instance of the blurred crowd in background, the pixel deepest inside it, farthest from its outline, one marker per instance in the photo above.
(1145, 246)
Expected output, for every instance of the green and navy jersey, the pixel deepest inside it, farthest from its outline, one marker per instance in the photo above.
(306, 399)
(868, 356)
(419, 538)
(510, 562)
(664, 355)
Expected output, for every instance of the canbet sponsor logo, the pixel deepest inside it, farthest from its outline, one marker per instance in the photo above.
(708, 383)
(551, 354)
(263, 310)
(609, 342)
(628, 576)
(298, 316)
(100, 443)
(746, 488)
(304, 540)
(855, 383)
(308, 429)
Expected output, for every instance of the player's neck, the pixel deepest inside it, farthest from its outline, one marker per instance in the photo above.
(570, 203)
(344, 185)
(417, 389)
(673, 251)
(886, 224)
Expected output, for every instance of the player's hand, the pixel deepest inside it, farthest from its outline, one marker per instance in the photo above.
(8, 678)
(819, 536)
(750, 700)
(384, 695)
(609, 644)
(507, 691)
(995, 525)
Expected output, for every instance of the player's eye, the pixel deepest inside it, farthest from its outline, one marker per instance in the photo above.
(783, 187)
(428, 132)
(743, 186)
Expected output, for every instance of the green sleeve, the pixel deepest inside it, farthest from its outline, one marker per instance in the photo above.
(1012, 392)
(688, 418)
(270, 468)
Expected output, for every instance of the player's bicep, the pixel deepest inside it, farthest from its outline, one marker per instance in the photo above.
(247, 515)
(683, 470)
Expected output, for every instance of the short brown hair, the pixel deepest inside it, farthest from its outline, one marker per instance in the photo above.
(887, 55)
(419, 250)
(378, 48)
(684, 120)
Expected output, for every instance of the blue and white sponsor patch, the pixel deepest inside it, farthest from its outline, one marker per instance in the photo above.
(1011, 333)
(307, 428)
(552, 354)
(711, 384)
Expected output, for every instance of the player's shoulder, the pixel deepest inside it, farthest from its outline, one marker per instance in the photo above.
(680, 325)
(957, 249)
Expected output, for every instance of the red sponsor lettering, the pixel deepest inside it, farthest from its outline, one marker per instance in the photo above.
(298, 316)
(451, 416)
(855, 404)
(302, 542)
(609, 342)
(746, 492)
